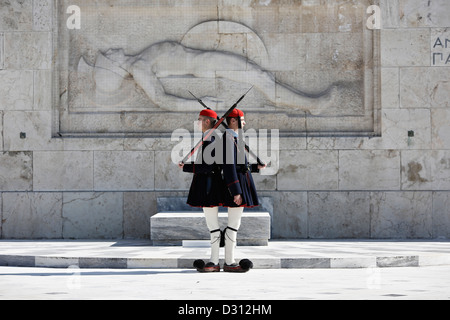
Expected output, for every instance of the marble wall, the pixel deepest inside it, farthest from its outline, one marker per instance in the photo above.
(394, 184)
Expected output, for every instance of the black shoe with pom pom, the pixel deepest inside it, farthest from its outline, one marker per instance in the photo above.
(208, 267)
(244, 266)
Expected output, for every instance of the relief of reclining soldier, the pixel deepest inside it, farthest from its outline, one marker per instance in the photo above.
(172, 59)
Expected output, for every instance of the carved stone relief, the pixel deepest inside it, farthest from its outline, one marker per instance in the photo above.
(129, 67)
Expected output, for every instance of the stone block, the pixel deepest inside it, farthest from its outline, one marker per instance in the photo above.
(397, 262)
(440, 124)
(107, 263)
(290, 215)
(167, 174)
(369, 170)
(17, 261)
(389, 13)
(162, 263)
(405, 47)
(339, 215)
(123, 170)
(32, 216)
(353, 262)
(92, 144)
(63, 171)
(441, 215)
(305, 263)
(29, 131)
(425, 87)
(390, 97)
(423, 14)
(138, 207)
(426, 170)
(2, 37)
(1, 130)
(56, 262)
(16, 171)
(16, 89)
(171, 228)
(401, 215)
(42, 90)
(416, 170)
(42, 15)
(92, 215)
(16, 15)
(308, 170)
(395, 131)
(1, 215)
(28, 50)
(396, 125)
(440, 169)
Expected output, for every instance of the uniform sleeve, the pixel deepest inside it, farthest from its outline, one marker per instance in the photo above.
(188, 167)
(229, 166)
(199, 166)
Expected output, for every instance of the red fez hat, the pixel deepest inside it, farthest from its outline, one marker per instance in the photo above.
(236, 113)
(208, 113)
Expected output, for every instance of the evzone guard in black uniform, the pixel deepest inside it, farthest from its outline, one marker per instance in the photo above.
(235, 191)
(240, 188)
(207, 188)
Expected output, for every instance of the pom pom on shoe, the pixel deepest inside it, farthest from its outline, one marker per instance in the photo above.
(246, 264)
(199, 264)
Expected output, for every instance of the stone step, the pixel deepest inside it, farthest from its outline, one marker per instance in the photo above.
(171, 228)
(303, 254)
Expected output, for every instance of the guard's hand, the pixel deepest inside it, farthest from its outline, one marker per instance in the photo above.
(238, 199)
(180, 165)
(262, 167)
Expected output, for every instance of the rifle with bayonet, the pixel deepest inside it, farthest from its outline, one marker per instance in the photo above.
(210, 132)
(260, 162)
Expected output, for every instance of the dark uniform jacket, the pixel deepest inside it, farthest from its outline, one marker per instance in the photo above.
(207, 187)
(237, 177)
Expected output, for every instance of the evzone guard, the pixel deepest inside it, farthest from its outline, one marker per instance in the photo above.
(240, 188)
(234, 190)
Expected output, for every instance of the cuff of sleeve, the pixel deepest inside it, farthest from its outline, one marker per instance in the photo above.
(234, 188)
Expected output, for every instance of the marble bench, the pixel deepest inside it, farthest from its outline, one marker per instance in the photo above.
(171, 228)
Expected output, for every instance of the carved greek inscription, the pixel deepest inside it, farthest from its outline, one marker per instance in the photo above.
(440, 51)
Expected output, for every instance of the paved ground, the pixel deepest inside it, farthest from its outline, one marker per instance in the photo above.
(183, 284)
(347, 269)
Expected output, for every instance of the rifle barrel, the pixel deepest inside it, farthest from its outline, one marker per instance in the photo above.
(218, 123)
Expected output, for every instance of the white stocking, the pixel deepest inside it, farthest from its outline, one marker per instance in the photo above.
(234, 222)
(212, 221)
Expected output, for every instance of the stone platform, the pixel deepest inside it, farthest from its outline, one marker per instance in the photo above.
(171, 228)
(298, 254)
